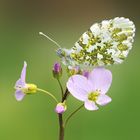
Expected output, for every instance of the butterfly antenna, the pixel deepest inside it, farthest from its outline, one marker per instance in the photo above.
(41, 33)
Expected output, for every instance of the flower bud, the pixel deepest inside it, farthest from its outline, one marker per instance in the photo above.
(57, 70)
(60, 108)
(85, 73)
(73, 70)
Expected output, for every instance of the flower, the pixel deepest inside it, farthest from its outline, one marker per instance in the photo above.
(92, 90)
(57, 70)
(60, 108)
(22, 88)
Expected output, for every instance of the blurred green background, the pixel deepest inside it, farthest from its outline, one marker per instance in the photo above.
(64, 20)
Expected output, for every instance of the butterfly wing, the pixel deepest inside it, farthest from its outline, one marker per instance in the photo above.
(105, 43)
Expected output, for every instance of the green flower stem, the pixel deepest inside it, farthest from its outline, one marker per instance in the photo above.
(62, 92)
(73, 113)
(48, 93)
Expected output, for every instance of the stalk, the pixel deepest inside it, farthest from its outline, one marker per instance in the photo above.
(60, 117)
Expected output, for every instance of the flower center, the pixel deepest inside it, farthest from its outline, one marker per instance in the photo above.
(93, 96)
(30, 88)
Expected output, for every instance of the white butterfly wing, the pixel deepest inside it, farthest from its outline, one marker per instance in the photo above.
(105, 43)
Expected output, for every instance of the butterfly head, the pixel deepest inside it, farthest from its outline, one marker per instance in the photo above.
(65, 55)
(60, 52)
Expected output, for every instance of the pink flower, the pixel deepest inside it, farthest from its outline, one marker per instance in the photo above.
(21, 87)
(21, 84)
(92, 90)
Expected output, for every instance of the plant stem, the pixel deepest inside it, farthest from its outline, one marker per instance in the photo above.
(48, 93)
(68, 118)
(61, 127)
(60, 116)
(62, 92)
(65, 95)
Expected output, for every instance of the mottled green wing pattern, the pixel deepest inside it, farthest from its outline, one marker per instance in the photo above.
(105, 43)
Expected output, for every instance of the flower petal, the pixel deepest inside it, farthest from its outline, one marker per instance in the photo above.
(103, 100)
(19, 84)
(19, 95)
(101, 79)
(79, 87)
(90, 105)
(23, 73)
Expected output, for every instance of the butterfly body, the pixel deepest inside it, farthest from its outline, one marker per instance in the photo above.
(65, 55)
(105, 43)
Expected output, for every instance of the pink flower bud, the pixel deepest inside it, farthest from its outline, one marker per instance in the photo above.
(85, 73)
(60, 108)
(57, 67)
(57, 70)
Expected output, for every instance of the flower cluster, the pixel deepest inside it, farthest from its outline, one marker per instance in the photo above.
(88, 87)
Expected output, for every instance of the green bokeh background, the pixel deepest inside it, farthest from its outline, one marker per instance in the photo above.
(65, 21)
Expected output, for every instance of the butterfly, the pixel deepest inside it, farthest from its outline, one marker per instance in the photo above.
(104, 43)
